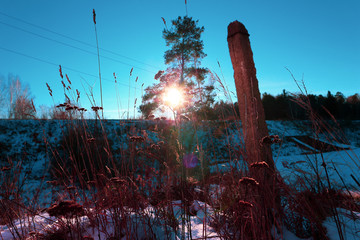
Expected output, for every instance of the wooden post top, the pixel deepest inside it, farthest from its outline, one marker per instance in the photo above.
(235, 28)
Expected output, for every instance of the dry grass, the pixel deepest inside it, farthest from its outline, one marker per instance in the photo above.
(90, 181)
(114, 193)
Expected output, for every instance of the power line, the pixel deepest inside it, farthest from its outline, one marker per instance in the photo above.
(71, 46)
(76, 40)
(64, 67)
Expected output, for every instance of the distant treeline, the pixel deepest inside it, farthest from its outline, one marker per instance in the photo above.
(287, 106)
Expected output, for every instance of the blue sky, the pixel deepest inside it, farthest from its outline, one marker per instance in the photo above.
(317, 40)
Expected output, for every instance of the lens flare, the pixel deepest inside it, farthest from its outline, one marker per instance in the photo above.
(173, 97)
(190, 160)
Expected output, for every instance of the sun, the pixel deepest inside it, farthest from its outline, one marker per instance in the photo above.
(173, 97)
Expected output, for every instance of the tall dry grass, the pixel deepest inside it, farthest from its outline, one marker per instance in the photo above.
(134, 191)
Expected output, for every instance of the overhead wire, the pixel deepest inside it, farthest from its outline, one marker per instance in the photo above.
(74, 47)
(76, 40)
(64, 67)
(71, 46)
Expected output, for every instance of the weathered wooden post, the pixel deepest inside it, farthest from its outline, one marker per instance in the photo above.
(250, 106)
(257, 142)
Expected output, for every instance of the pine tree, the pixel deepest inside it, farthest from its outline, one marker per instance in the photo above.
(183, 59)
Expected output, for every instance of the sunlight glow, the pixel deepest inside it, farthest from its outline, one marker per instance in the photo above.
(173, 97)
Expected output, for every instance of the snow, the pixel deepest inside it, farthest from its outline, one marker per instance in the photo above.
(42, 222)
(225, 142)
(340, 165)
(350, 224)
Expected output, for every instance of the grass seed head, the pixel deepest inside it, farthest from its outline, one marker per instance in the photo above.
(4, 169)
(259, 165)
(96, 108)
(245, 204)
(66, 208)
(68, 79)
(270, 139)
(155, 146)
(60, 71)
(248, 181)
(137, 139)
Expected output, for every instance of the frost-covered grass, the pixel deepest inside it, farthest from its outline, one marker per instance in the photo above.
(131, 180)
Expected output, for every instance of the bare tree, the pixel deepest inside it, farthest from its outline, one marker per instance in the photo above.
(2, 97)
(18, 100)
(43, 112)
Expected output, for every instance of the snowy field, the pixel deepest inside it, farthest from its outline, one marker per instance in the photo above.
(300, 153)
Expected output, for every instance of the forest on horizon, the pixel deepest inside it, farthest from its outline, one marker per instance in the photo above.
(287, 106)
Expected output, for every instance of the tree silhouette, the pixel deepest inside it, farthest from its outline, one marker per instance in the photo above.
(183, 59)
(287, 106)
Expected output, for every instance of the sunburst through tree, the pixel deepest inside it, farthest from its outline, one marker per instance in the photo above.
(184, 72)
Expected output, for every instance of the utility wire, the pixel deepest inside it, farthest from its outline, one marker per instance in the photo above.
(76, 40)
(71, 46)
(57, 65)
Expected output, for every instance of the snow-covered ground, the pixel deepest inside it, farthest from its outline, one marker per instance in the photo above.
(42, 222)
(29, 142)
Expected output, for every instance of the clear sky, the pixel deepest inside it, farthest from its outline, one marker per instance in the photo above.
(319, 41)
